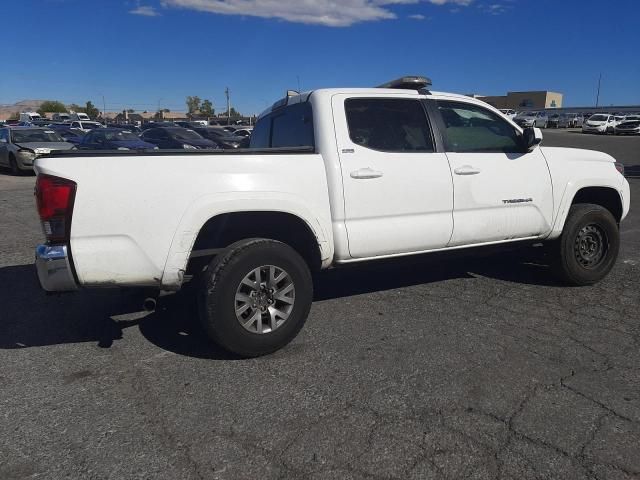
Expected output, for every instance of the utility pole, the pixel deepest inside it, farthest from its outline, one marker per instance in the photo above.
(226, 92)
(598, 94)
(104, 111)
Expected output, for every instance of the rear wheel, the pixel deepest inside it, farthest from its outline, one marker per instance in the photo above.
(588, 247)
(255, 297)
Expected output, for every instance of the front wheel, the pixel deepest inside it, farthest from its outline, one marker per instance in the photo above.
(13, 166)
(255, 297)
(588, 247)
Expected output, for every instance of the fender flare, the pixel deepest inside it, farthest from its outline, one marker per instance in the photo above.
(571, 189)
(209, 206)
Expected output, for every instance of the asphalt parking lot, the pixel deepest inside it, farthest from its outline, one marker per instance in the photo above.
(438, 367)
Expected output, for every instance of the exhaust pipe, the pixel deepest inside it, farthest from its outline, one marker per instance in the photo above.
(149, 304)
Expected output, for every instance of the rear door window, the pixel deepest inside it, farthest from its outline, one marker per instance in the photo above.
(389, 125)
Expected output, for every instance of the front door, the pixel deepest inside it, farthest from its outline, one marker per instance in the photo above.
(501, 192)
(398, 193)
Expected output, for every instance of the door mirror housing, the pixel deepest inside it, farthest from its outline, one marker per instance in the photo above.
(531, 137)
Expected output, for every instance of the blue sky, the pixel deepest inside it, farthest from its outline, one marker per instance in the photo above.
(141, 54)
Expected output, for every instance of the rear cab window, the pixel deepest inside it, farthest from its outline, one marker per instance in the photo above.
(291, 126)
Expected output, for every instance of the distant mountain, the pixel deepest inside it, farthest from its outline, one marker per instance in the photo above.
(23, 106)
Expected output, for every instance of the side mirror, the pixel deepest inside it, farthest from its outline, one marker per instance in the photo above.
(531, 137)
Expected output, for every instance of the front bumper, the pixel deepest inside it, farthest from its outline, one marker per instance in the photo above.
(54, 268)
(589, 129)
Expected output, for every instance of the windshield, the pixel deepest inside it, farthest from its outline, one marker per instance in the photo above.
(529, 114)
(121, 136)
(185, 134)
(35, 136)
(598, 118)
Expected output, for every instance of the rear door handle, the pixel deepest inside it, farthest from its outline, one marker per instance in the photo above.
(467, 170)
(364, 173)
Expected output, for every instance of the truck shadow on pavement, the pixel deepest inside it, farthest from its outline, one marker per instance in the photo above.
(31, 318)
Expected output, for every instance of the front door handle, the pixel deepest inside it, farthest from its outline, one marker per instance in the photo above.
(364, 173)
(467, 170)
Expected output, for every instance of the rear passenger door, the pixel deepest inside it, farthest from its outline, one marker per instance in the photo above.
(398, 193)
(501, 191)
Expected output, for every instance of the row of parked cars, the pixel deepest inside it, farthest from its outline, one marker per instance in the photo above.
(21, 145)
(618, 124)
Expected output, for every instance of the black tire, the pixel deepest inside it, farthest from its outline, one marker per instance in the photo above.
(13, 166)
(217, 296)
(592, 224)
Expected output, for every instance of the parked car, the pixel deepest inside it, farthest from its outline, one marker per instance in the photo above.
(129, 127)
(508, 112)
(243, 132)
(599, 123)
(82, 117)
(338, 180)
(629, 126)
(553, 120)
(71, 135)
(28, 117)
(570, 120)
(148, 125)
(20, 146)
(532, 119)
(177, 137)
(222, 137)
(114, 139)
(61, 117)
(189, 124)
(85, 126)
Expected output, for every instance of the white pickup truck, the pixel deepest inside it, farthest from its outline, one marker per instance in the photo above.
(333, 177)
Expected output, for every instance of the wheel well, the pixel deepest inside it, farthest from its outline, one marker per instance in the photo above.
(223, 230)
(603, 196)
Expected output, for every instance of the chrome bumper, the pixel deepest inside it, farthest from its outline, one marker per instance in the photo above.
(54, 269)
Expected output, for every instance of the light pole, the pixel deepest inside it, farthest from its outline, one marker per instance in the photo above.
(598, 94)
(226, 92)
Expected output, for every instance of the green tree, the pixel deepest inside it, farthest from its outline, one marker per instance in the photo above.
(52, 106)
(234, 113)
(76, 108)
(91, 110)
(193, 104)
(130, 110)
(206, 108)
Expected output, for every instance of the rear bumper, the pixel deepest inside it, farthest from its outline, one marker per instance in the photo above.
(54, 268)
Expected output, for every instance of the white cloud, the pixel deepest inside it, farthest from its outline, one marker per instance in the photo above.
(145, 11)
(330, 13)
(417, 16)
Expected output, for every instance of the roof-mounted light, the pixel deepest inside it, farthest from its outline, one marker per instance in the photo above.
(412, 82)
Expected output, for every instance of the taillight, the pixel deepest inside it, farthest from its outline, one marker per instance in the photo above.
(54, 197)
(620, 167)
